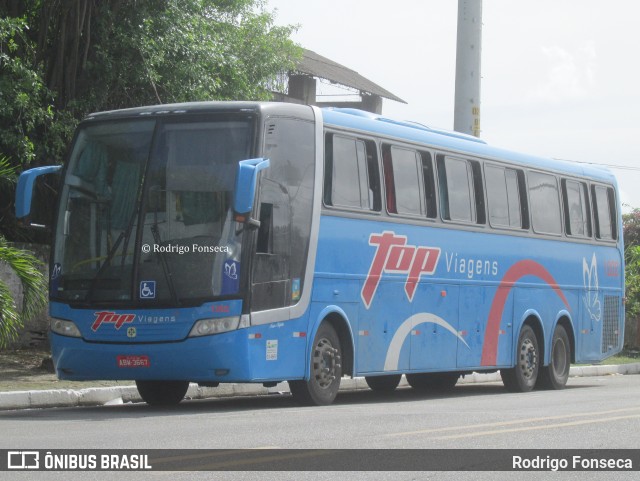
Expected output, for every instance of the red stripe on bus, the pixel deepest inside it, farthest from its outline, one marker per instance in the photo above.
(516, 272)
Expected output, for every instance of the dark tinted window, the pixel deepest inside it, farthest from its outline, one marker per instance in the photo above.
(545, 203)
(429, 184)
(286, 195)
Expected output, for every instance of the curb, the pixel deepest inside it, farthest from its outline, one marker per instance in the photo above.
(105, 396)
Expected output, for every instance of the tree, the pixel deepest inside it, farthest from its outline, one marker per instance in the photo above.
(106, 54)
(62, 59)
(25, 265)
(631, 227)
(25, 103)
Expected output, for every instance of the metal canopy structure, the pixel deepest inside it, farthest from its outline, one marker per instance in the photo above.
(322, 67)
(312, 66)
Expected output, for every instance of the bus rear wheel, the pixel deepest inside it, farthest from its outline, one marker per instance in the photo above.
(162, 393)
(556, 374)
(383, 383)
(326, 370)
(436, 381)
(522, 377)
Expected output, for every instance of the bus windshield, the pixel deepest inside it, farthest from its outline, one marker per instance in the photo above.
(145, 213)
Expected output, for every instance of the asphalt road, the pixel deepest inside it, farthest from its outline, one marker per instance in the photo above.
(594, 413)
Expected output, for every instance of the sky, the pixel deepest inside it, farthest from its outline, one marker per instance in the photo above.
(560, 78)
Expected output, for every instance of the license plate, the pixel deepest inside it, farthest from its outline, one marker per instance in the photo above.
(133, 361)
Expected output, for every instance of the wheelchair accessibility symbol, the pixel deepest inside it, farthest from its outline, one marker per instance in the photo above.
(147, 289)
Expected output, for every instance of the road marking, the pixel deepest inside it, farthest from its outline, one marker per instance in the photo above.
(514, 422)
(537, 428)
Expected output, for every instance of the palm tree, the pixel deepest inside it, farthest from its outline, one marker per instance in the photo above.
(25, 265)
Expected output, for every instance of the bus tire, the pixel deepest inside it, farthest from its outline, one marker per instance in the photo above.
(162, 393)
(386, 383)
(556, 374)
(435, 381)
(522, 377)
(326, 370)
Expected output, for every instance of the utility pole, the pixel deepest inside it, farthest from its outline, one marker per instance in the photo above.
(467, 98)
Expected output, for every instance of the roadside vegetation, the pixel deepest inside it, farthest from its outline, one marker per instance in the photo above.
(27, 269)
(60, 61)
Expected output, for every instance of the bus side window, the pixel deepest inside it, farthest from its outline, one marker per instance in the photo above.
(389, 181)
(577, 215)
(403, 171)
(504, 196)
(373, 174)
(545, 203)
(460, 187)
(428, 176)
(351, 173)
(605, 212)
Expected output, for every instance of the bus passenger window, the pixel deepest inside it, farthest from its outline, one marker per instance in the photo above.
(576, 208)
(545, 204)
(406, 166)
(457, 189)
(503, 196)
(351, 174)
(604, 210)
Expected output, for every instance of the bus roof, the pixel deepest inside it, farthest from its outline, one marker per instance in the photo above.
(455, 142)
(280, 108)
(375, 124)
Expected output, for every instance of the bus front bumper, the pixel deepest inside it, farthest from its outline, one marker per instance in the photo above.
(219, 358)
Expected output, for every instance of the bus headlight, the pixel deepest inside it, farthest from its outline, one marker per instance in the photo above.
(65, 328)
(208, 327)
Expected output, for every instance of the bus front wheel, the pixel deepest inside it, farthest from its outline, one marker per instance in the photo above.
(162, 393)
(556, 374)
(522, 377)
(326, 370)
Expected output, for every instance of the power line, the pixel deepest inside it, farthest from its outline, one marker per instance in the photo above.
(612, 166)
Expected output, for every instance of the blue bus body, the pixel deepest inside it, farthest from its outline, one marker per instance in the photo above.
(404, 293)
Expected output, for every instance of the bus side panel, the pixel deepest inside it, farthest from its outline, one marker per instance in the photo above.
(602, 325)
(476, 304)
(434, 331)
(380, 327)
(278, 351)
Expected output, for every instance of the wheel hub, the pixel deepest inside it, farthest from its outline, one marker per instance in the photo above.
(528, 358)
(325, 362)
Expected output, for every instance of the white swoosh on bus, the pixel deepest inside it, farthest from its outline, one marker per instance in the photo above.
(393, 353)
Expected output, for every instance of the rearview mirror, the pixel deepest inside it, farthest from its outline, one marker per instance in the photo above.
(246, 181)
(25, 192)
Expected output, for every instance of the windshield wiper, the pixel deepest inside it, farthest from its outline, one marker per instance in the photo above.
(155, 232)
(165, 265)
(125, 234)
(103, 267)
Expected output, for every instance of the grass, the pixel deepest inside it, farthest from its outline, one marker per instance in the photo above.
(624, 357)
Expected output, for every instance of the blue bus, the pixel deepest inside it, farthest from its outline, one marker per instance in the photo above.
(248, 242)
